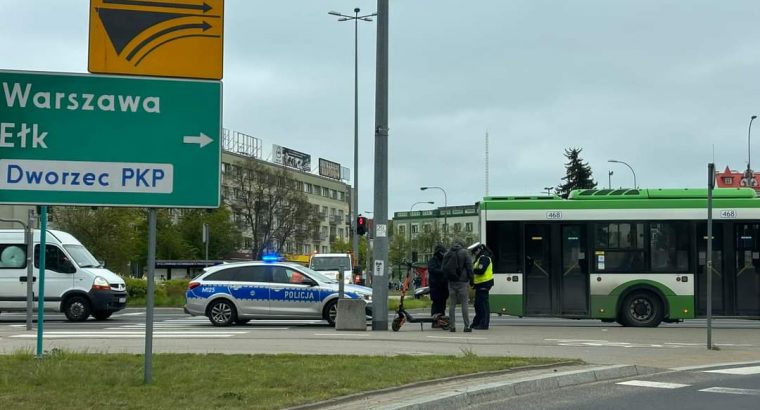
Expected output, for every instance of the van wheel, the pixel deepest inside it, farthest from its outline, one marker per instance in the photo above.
(77, 309)
(102, 315)
(642, 309)
(331, 312)
(222, 313)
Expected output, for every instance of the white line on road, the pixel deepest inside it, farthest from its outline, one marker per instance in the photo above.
(341, 334)
(458, 337)
(130, 314)
(47, 334)
(129, 336)
(737, 370)
(658, 385)
(729, 390)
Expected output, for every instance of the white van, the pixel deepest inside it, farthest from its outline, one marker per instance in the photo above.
(330, 264)
(75, 282)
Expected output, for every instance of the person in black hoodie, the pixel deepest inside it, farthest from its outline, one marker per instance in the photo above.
(439, 286)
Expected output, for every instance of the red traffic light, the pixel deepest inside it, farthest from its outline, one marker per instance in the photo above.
(361, 225)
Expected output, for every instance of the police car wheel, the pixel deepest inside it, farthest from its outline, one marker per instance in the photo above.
(331, 311)
(222, 313)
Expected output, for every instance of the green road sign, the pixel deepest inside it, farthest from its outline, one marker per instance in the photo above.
(80, 139)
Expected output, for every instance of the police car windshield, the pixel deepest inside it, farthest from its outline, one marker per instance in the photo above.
(317, 276)
(82, 256)
(324, 263)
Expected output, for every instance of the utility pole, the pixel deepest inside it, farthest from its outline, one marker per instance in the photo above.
(380, 277)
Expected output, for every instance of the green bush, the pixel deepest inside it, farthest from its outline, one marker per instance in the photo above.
(136, 288)
(170, 293)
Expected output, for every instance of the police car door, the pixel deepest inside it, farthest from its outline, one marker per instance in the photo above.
(251, 289)
(291, 297)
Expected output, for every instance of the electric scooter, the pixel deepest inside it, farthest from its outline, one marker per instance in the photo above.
(402, 316)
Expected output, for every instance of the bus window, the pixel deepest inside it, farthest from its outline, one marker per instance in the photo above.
(669, 246)
(619, 248)
(503, 238)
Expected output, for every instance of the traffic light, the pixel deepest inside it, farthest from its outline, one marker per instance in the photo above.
(361, 225)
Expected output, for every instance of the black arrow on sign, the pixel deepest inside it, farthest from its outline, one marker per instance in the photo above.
(204, 26)
(204, 7)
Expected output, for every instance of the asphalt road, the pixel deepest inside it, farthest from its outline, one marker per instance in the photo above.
(669, 346)
(724, 387)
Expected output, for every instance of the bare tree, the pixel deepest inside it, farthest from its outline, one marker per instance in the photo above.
(273, 206)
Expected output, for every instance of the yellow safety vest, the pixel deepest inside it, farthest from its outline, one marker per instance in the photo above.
(487, 275)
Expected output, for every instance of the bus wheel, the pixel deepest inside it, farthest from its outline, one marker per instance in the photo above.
(642, 309)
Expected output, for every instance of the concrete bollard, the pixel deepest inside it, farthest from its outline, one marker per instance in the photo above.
(351, 315)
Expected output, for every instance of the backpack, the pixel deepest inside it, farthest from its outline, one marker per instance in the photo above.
(450, 266)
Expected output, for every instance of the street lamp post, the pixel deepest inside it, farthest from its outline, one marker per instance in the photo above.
(355, 197)
(548, 190)
(410, 224)
(635, 185)
(748, 173)
(445, 204)
(609, 175)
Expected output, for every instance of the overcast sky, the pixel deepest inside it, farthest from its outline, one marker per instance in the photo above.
(662, 85)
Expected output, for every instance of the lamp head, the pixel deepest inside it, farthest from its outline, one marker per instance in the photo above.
(753, 117)
(333, 13)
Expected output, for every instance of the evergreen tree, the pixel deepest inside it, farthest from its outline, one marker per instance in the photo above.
(579, 175)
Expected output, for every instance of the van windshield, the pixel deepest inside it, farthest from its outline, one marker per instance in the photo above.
(82, 256)
(323, 263)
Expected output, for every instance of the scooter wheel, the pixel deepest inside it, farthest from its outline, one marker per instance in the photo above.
(396, 324)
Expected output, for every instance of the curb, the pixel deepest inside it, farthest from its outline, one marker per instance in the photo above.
(500, 390)
(362, 395)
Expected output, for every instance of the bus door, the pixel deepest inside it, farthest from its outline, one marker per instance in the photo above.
(717, 269)
(747, 279)
(574, 280)
(538, 268)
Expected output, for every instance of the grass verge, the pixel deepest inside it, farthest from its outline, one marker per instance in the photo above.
(182, 381)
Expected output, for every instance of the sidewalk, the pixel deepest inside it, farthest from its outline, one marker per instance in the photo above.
(462, 391)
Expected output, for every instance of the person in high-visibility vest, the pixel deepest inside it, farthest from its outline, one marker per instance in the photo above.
(482, 282)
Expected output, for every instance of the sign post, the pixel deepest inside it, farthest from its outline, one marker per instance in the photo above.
(71, 139)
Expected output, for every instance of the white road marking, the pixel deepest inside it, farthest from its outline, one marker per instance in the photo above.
(341, 334)
(658, 385)
(458, 337)
(129, 314)
(737, 370)
(730, 390)
(128, 336)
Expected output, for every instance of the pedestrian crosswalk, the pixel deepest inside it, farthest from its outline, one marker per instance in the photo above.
(740, 371)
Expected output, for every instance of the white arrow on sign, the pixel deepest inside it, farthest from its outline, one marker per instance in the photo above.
(201, 140)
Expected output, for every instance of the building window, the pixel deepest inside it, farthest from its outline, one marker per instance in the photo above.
(333, 194)
(323, 214)
(426, 228)
(457, 227)
(415, 228)
(324, 249)
(307, 188)
(401, 229)
(341, 196)
(728, 180)
(325, 192)
(468, 227)
(306, 249)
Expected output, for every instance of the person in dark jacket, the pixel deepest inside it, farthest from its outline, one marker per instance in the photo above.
(439, 286)
(482, 282)
(459, 289)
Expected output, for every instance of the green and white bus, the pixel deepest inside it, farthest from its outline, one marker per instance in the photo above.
(635, 256)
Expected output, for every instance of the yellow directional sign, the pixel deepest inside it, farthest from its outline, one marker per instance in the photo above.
(168, 38)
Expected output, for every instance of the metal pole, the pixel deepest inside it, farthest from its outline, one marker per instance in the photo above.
(749, 133)
(206, 237)
(380, 279)
(341, 280)
(41, 292)
(609, 175)
(355, 196)
(710, 185)
(149, 300)
(29, 230)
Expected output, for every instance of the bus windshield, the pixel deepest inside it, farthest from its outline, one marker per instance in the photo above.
(324, 263)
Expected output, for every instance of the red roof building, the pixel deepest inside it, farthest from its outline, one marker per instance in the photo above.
(735, 179)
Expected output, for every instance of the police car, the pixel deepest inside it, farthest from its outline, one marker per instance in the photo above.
(234, 293)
